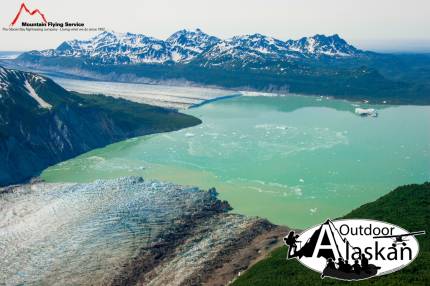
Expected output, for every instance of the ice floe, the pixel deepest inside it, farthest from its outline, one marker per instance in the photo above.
(366, 112)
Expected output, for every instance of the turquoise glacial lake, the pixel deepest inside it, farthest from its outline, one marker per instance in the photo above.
(295, 160)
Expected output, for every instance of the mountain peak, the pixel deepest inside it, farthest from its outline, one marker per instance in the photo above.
(322, 45)
(334, 36)
(196, 30)
(185, 45)
(189, 34)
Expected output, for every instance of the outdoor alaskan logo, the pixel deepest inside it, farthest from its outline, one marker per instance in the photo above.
(30, 19)
(353, 249)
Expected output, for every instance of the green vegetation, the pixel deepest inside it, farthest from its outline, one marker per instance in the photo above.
(397, 79)
(141, 118)
(33, 138)
(407, 206)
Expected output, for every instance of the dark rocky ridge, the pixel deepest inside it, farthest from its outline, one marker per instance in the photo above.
(169, 262)
(42, 124)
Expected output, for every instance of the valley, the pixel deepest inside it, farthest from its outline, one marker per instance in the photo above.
(117, 187)
(317, 65)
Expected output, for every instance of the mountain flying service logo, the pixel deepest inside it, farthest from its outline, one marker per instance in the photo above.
(353, 249)
(31, 13)
(27, 19)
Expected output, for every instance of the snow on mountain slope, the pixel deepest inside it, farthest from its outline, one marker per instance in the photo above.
(186, 46)
(246, 49)
(116, 48)
(14, 84)
(126, 48)
(42, 103)
(323, 45)
(4, 84)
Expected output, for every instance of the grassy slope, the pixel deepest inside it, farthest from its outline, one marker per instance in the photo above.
(407, 206)
(129, 115)
(33, 138)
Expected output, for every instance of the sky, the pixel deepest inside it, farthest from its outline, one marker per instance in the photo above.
(381, 25)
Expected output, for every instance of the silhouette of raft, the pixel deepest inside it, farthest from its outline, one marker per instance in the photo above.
(365, 273)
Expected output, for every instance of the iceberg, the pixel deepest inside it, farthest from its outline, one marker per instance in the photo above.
(366, 112)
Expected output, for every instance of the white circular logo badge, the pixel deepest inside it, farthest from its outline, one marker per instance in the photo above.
(354, 249)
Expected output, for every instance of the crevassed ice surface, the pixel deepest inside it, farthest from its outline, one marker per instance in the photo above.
(295, 160)
(161, 95)
(75, 233)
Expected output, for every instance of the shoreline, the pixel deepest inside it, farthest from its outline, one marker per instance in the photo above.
(213, 100)
(73, 124)
(86, 75)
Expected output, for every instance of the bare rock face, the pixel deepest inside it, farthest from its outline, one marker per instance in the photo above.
(126, 231)
(215, 252)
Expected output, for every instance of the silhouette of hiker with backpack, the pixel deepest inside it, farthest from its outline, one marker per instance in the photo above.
(291, 241)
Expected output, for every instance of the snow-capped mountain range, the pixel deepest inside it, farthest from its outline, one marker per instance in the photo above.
(187, 46)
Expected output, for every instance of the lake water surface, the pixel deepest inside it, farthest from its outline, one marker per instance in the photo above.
(295, 160)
